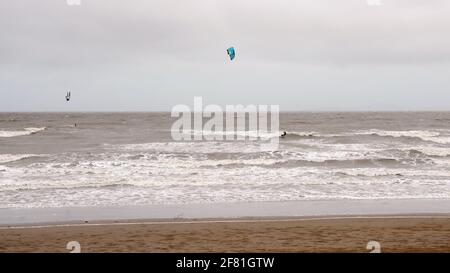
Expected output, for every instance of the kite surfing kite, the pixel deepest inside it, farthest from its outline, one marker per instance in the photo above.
(68, 96)
(231, 53)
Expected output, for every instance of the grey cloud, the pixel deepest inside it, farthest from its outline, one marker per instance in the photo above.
(151, 54)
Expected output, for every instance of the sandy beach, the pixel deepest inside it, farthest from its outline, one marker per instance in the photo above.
(333, 234)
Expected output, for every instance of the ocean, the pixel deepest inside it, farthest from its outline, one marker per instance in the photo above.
(128, 159)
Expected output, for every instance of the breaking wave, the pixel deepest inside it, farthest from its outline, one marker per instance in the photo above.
(25, 132)
(431, 136)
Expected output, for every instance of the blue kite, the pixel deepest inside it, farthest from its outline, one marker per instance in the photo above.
(231, 53)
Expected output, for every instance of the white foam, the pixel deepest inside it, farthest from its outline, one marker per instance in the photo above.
(431, 150)
(25, 132)
(375, 172)
(221, 135)
(5, 158)
(433, 136)
(230, 190)
(194, 147)
(237, 171)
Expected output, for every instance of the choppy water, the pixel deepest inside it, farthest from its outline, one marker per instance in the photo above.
(113, 159)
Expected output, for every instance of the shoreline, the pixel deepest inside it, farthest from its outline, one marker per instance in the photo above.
(249, 220)
(260, 210)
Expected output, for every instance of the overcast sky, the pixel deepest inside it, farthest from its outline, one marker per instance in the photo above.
(149, 55)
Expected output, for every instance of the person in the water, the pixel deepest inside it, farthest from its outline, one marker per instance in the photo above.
(284, 134)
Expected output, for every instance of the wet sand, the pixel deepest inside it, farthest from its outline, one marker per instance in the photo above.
(349, 234)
